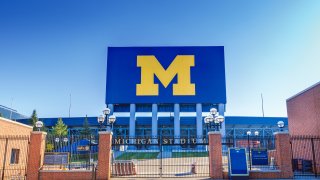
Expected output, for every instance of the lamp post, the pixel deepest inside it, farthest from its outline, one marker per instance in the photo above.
(213, 120)
(256, 134)
(248, 135)
(207, 121)
(39, 125)
(104, 117)
(106, 113)
(280, 125)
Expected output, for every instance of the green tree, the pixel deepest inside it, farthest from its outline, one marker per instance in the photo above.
(60, 129)
(86, 128)
(34, 118)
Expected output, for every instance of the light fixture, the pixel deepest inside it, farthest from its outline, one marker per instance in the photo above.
(220, 119)
(100, 119)
(65, 139)
(249, 133)
(213, 111)
(39, 125)
(106, 111)
(280, 125)
(112, 119)
(256, 133)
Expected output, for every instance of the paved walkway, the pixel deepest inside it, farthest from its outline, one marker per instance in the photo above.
(200, 178)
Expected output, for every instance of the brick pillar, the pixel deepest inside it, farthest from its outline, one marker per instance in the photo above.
(104, 155)
(215, 155)
(284, 154)
(36, 153)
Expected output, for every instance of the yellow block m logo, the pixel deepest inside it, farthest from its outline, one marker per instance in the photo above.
(151, 67)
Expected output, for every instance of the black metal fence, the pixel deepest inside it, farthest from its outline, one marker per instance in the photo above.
(250, 143)
(160, 157)
(71, 152)
(13, 157)
(306, 156)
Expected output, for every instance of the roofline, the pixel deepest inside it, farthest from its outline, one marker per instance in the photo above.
(303, 91)
(16, 123)
(5, 107)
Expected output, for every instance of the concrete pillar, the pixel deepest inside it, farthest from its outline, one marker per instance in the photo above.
(223, 125)
(215, 155)
(199, 121)
(154, 120)
(110, 106)
(104, 156)
(283, 154)
(132, 122)
(36, 154)
(177, 123)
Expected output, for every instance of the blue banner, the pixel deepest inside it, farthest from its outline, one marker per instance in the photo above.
(259, 156)
(166, 75)
(238, 162)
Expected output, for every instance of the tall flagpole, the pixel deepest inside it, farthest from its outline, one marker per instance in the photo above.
(262, 105)
(69, 105)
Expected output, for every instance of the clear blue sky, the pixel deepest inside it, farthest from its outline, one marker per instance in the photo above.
(49, 49)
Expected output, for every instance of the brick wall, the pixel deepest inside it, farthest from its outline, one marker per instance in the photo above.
(215, 155)
(104, 156)
(259, 175)
(9, 127)
(57, 175)
(304, 112)
(304, 123)
(284, 154)
(13, 136)
(36, 154)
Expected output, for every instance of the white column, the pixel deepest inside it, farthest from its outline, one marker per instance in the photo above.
(154, 120)
(199, 121)
(110, 106)
(177, 122)
(132, 122)
(223, 126)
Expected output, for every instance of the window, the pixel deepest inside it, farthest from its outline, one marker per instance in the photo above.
(165, 108)
(188, 107)
(121, 108)
(14, 156)
(143, 108)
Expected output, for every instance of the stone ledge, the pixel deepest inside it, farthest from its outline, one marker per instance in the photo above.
(281, 132)
(38, 132)
(66, 171)
(214, 132)
(105, 132)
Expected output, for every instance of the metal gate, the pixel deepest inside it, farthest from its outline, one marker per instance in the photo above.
(13, 157)
(164, 157)
(305, 156)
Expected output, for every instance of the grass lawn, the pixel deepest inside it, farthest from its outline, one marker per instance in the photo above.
(137, 155)
(189, 154)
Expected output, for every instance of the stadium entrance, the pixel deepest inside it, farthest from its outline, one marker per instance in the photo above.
(160, 157)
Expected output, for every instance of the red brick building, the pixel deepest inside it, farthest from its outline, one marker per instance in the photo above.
(304, 112)
(304, 128)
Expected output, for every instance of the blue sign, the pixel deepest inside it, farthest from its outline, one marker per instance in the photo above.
(238, 162)
(166, 75)
(259, 156)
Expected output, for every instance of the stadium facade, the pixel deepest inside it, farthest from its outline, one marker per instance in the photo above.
(167, 91)
(235, 125)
